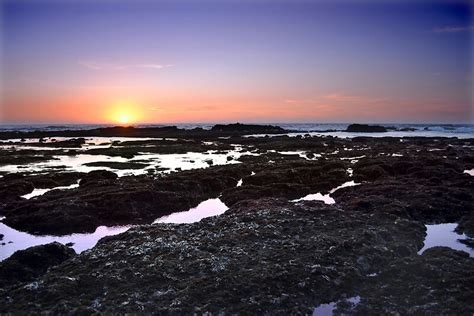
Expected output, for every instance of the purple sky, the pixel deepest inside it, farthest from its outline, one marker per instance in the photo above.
(248, 61)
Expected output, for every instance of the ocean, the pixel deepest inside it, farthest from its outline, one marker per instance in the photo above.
(427, 130)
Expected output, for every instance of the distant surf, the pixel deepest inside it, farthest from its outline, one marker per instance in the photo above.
(446, 130)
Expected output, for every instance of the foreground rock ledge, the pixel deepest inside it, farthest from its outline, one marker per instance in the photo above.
(27, 265)
(266, 256)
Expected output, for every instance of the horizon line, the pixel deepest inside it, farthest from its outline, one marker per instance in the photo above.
(232, 122)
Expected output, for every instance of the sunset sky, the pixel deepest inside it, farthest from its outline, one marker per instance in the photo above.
(225, 61)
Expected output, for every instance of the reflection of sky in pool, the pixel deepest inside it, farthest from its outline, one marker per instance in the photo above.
(444, 235)
(211, 207)
(37, 192)
(75, 163)
(327, 309)
(22, 240)
(170, 162)
(326, 198)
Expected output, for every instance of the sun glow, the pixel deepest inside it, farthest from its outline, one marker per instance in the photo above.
(123, 118)
(124, 113)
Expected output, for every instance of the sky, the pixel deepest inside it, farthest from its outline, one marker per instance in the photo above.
(226, 61)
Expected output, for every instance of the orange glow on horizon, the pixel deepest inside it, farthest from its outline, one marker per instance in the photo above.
(111, 108)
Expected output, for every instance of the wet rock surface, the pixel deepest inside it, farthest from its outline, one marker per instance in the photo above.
(439, 282)
(431, 190)
(19, 157)
(130, 149)
(27, 265)
(262, 256)
(289, 179)
(104, 199)
(98, 177)
(13, 186)
(419, 178)
(466, 226)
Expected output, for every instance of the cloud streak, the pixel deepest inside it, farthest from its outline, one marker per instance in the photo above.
(184, 108)
(299, 101)
(116, 66)
(454, 29)
(337, 98)
(342, 97)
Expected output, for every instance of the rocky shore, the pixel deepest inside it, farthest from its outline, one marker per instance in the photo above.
(261, 256)
(266, 254)
(165, 131)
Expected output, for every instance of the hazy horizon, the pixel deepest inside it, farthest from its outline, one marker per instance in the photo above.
(156, 62)
(227, 122)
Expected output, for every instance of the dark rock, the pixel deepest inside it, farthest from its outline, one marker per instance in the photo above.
(247, 128)
(364, 128)
(407, 198)
(466, 225)
(250, 192)
(437, 283)
(290, 180)
(104, 199)
(54, 179)
(468, 242)
(22, 157)
(129, 149)
(98, 177)
(68, 143)
(262, 256)
(12, 190)
(369, 173)
(154, 132)
(14, 185)
(29, 264)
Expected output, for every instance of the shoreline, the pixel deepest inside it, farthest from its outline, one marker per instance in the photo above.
(236, 129)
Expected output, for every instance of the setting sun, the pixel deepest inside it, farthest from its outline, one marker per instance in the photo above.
(124, 119)
(124, 112)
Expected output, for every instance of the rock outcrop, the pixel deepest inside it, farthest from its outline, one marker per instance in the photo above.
(364, 128)
(29, 264)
